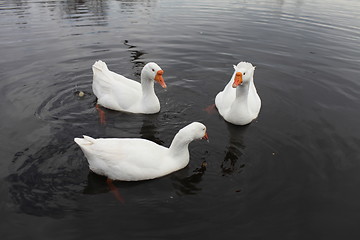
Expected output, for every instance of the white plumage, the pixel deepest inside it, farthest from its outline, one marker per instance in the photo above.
(239, 102)
(134, 159)
(119, 93)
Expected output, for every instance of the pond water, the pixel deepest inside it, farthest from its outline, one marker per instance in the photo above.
(294, 173)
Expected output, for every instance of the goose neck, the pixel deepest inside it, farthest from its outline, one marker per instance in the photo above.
(180, 143)
(242, 91)
(147, 86)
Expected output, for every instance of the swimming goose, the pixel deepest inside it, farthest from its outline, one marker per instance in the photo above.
(239, 102)
(134, 159)
(119, 93)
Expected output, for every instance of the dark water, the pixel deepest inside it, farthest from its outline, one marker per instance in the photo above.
(294, 173)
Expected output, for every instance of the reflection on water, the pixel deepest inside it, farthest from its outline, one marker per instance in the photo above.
(44, 182)
(135, 55)
(133, 4)
(76, 8)
(232, 160)
(96, 184)
(188, 185)
(79, 13)
(149, 129)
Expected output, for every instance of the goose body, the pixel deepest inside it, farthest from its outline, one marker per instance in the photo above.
(239, 102)
(134, 159)
(119, 93)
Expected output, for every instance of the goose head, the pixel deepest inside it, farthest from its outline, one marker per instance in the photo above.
(152, 71)
(194, 131)
(186, 135)
(244, 72)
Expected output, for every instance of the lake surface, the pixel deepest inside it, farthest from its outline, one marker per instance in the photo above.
(294, 173)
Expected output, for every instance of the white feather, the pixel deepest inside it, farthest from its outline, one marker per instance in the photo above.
(134, 159)
(119, 93)
(239, 105)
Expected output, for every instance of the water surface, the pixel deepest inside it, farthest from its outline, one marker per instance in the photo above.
(291, 174)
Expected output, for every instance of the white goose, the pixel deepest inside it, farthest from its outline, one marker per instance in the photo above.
(134, 159)
(119, 93)
(239, 102)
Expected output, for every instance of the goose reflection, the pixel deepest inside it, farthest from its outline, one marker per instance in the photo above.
(149, 129)
(188, 185)
(234, 151)
(96, 184)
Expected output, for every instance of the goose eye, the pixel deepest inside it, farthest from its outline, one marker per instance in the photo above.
(244, 74)
(153, 70)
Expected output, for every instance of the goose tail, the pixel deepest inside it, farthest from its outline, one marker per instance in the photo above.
(99, 66)
(85, 141)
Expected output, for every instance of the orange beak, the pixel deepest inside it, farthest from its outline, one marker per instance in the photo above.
(237, 80)
(160, 79)
(206, 137)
